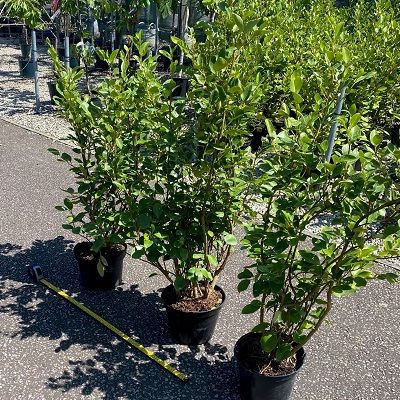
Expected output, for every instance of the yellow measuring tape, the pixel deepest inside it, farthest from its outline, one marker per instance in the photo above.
(117, 331)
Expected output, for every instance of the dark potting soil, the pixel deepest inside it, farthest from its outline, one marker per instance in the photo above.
(255, 359)
(85, 253)
(189, 304)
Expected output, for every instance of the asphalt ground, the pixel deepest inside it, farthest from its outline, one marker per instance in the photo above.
(51, 350)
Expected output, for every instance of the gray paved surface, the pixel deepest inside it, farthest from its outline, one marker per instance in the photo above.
(49, 350)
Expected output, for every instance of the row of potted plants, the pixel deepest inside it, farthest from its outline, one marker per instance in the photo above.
(168, 179)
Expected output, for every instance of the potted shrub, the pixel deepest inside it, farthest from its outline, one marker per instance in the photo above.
(187, 224)
(101, 162)
(30, 12)
(320, 230)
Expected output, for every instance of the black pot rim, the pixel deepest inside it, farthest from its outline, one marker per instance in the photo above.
(243, 338)
(171, 287)
(90, 243)
(26, 60)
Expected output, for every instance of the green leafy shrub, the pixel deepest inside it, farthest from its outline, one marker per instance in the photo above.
(110, 170)
(201, 185)
(321, 228)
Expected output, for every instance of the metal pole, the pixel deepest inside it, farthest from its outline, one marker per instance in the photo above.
(332, 133)
(113, 21)
(156, 39)
(66, 41)
(66, 50)
(35, 65)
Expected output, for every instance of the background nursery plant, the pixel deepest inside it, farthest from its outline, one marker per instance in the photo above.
(328, 45)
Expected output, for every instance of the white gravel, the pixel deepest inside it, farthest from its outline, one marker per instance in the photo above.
(17, 94)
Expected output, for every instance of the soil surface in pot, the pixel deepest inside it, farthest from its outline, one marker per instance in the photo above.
(255, 359)
(85, 253)
(189, 304)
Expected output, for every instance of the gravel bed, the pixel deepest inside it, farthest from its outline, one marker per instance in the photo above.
(17, 100)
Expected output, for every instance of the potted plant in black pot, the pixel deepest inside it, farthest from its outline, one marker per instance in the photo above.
(187, 223)
(101, 162)
(320, 229)
(31, 13)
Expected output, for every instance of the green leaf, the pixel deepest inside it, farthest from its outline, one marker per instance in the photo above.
(238, 21)
(355, 119)
(283, 351)
(294, 315)
(252, 307)
(269, 341)
(297, 98)
(67, 227)
(261, 327)
(100, 268)
(180, 283)
(157, 209)
(342, 290)
(119, 185)
(200, 79)
(249, 26)
(66, 157)
(245, 95)
(147, 242)
(298, 338)
(346, 55)
(68, 203)
(245, 274)
(270, 127)
(144, 221)
(338, 30)
(296, 82)
(138, 252)
(217, 66)
(375, 138)
(97, 245)
(230, 239)
(212, 260)
(205, 274)
(184, 254)
(54, 151)
(158, 188)
(198, 256)
(243, 285)
(119, 143)
(103, 260)
(389, 277)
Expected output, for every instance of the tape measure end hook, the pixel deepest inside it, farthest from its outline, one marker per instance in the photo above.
(36, 272)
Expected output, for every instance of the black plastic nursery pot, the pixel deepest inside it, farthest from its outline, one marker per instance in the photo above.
(256, 386)
(88, 260)
(74, 62)
(25, 50)
(190, 328)
(182, 87)
(27, 68)
(52, 91)
(100, 64)
(61, 52)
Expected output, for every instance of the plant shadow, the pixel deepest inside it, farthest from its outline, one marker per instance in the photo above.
(111, 367)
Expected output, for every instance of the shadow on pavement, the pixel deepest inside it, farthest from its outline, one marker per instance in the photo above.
(111, 367)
